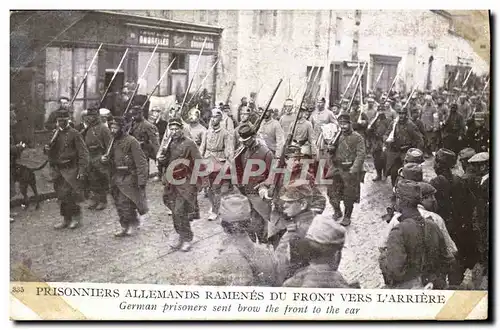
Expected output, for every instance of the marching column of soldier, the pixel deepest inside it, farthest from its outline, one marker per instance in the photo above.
(277, 231)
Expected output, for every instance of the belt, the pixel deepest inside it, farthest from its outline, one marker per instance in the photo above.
(215, 150)
(124, 169)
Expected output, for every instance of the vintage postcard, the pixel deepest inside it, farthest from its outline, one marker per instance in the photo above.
(249, 164)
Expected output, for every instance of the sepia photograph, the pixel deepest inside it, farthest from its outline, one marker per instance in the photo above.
(172, 154)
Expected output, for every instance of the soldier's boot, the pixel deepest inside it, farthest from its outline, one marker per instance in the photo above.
(75, 221)
(65, 223)
(378, 177)
(123, 232)
(176, 244)
(186, 246)
(347, 217)
(212, 216)
(337, 211)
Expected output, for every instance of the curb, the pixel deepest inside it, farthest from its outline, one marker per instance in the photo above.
(48, 195)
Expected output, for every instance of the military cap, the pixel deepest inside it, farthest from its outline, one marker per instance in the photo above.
(466, 153)
(480, 115)
(445, 92)
(62, 114)
(216, 112)
(413, 172)
(414, 155)
(325, 231)
(401, 110)
(322, 100)
(118, 121)
(426, 189)
(414, 96)
(193, 112)
(93, 111)
(104, 112)
(245, 109)
(175, 121)
(136, 108)
(234, 208)
(480, 157)
(344, 117)
(226, 106)
(446, 157)
(453, 106)
(293, 149)
(246, 131)
(408, 190)
(296, 191)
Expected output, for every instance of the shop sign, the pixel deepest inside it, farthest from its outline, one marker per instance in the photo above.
(197, 42)
(153, 38)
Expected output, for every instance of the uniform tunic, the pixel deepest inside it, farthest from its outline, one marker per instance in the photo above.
(97, 139)
(181, 198)
(346, 167)
(320, 118)
(69, 157)
(197, 133)
(272, 134)
(304, 135)
(129, 175)
(453, 129)
(317, 276)
(464, 109)
(286, 122)
(147, 135)
(377, 134)
(406, 136)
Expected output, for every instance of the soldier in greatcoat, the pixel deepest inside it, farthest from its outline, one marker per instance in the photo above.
(377, 132)
(239, 261)
(453, 130)
(254, 150)
(69, 159)
(478, 135)
(97, 137)
(218, 147)
(405, 135)
(180, 193)
(129, 176)
(145, 132)
(287, 119)
(196, 130)
(271, 132)
(346, 166)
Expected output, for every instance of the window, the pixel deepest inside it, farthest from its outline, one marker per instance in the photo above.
(383, 72)
(180, 62)
(313, 87)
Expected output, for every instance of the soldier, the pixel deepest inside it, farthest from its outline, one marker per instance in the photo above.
(464, 108)
(64, 104)
(254, 150)
(463, 157)
(227, 122)
(320, 117)
(478, 135)
(217, 145)
(69, 158)
(245, 118)
(453, 130)
(359, 119)
(197, 131)
(430, 121)
(243, 103)
(347, 159)
(303, 136)
(239, 261)
(97, 137)
(145, 132)
(180, 198)
(287, 119)
(370, 109)
(324, 243)
(105, 116)
(377, 133)
(416, 253)
(271, 132)
(405, 135)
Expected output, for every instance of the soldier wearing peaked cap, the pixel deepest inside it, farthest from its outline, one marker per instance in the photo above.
(453, 130)
(377, 132)
(218, 147)
(69, 159)
(478, 136)
(272, 134)
(463, 157)
(129, 175)
(198, 132)
(347, 158)
(145, 132)
(323, 245)
(97, 137)
(180, 191)
(415, 253)
(240, 262)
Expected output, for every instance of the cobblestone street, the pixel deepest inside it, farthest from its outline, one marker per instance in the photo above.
(92, 254)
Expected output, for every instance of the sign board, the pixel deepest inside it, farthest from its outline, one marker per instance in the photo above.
(197, 42)
(153, 38)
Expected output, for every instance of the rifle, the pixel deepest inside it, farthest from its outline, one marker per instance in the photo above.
(56, 133)
(349, 84)
(356, 87)
(201, 84)
(113, 78)
(259, 121)
(158, 83)
(230, 93)
(390, 138)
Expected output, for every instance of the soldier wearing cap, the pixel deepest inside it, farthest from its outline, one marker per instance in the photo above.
(287, 119)
(240, 262)
(430, 121)
(69, 159)
(303, 136)
(129, 175)
(250, 152)
(348, 156)
(246, 116)
(405, 135)
(478, 136)
(481, 205)
(323, 246)
(377, 132)
(97, 137)
(227, 122)
(416, 252)
(359, 119)
(64, 105)
(218, 146)
(320, 117)
(180, 193)
(271, 132)
(145, 132)
(463, 157)
(105, 116)
(464, 107)
(197, 132)
(453, 129)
